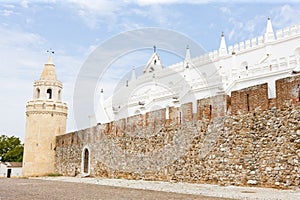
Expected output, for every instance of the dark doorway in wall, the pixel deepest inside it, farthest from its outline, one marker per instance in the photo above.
(8, 173)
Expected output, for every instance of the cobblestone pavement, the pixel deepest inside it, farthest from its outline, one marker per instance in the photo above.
(28, 189)
(209, 190)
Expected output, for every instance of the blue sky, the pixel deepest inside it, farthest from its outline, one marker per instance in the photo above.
(74, 28)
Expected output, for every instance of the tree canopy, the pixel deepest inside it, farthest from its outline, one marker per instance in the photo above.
(11, 149)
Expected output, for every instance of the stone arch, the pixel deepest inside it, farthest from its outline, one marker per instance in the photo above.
(85, 161)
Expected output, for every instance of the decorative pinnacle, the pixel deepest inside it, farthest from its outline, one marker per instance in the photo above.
(187, 46)
(222, 34)
(154, 48)
(269, 18)
(101, 90)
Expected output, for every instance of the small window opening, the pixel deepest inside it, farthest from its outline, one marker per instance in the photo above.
(154, 62)
(210, 111)
(49, 94)
(59, 95)
(248, 104)
(298, 86)
(38, 93)
(179, 117)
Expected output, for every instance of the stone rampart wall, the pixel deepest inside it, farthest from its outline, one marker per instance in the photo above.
(259, 144)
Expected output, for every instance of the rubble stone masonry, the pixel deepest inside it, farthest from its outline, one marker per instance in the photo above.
(229, 141)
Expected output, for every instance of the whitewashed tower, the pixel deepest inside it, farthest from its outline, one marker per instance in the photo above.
(46, 117)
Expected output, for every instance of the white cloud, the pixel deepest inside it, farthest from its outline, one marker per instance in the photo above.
(24, 4)
(152, 2)
(225, 10)
(15, 38)
(95, 12)
(285, 15)
(7, 13)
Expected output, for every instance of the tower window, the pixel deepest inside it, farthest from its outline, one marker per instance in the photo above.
(59, 94)
(38, 92)
(49, 94)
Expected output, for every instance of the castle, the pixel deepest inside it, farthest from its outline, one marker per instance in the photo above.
(237, 124)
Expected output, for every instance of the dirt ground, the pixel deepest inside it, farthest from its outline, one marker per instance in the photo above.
(12, 189)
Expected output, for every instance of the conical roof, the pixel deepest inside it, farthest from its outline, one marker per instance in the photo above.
(49, 73)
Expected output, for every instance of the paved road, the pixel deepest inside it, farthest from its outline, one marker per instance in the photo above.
(28, 189)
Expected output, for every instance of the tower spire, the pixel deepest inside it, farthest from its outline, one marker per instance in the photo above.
(223, 47)
(49, 69)
(269, 34)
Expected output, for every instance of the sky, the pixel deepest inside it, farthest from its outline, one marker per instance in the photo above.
(74, 28)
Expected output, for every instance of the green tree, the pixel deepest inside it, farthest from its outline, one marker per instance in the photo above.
(11, 149)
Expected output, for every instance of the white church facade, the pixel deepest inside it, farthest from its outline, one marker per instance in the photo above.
(263, 59)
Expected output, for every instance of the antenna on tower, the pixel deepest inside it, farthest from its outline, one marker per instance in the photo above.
(51, 52)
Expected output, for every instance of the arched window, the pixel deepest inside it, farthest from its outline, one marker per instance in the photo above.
(38, 93)
(86, 161)
(49, 94)
(59, 95)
